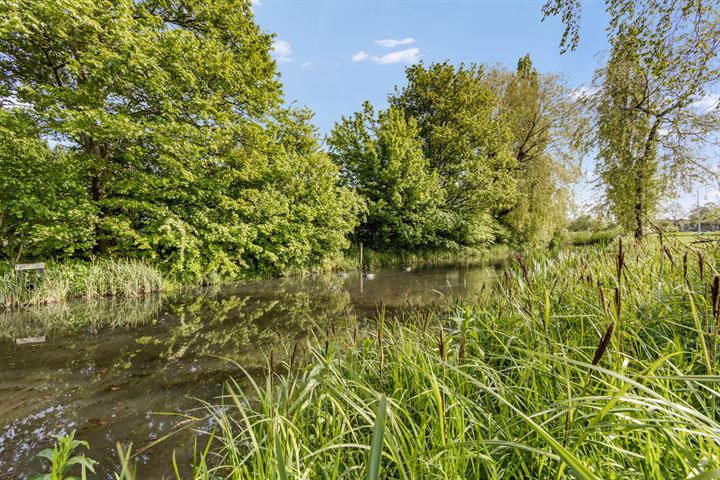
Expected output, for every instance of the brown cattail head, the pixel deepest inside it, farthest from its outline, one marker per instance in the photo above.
(604, 342)
(667, 252)
(441, 344)
(685, 267)
(620, 259)
(618, 302)
(701, 266)
(523, 268)
(603, 303)
(715, 291)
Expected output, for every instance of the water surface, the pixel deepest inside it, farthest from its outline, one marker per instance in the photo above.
(121, 369)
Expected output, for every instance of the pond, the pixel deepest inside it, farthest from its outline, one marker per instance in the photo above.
(125, 370)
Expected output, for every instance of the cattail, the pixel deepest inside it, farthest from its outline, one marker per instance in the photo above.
(620, 259)
(618, 302)
(441, 344)
(461, 350)
(604, 342)
(292, 357)
(603, 303)
(701, 266)
(523, 268)
(715, 292)
(667, 252)
(685, 266)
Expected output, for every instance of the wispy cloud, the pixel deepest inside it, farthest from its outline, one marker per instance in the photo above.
(360, 56)
(306, 64)
(707, 102)
(411, 55)
(282, 51)
(394, 42)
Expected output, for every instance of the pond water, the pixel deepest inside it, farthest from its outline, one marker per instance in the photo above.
(120, 370)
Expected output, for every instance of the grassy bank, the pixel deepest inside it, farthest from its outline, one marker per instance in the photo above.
(593, 363)
(80, 280)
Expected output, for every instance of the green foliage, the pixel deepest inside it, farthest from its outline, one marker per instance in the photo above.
(466, 141)
(528, 382)
(545, 122)
(169, 118)
(105, 277)
(650, 134)
(44, 206)
(382, 160)
(62, 459)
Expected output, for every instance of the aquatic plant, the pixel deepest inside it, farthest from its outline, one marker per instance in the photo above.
(86, 280)
(592, 363)
(62, 459)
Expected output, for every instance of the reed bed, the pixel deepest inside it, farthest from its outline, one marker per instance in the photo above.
(102, 278)
(591, 363)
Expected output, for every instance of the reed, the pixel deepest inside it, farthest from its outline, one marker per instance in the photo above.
(526, 383)
(103, 278)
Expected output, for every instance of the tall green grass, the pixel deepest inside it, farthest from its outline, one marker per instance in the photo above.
(595, 363)
(83, 280)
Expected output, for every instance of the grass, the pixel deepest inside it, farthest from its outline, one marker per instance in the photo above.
(588, 363)
(81, 280)
(591, 364)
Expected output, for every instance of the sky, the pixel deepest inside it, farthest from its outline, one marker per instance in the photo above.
(334, 54)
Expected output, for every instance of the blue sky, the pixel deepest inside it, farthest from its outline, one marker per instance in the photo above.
(334, 54)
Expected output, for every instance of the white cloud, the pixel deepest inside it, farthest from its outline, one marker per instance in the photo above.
(707, 102)
(394, 42)
(411, 55)
(306, 64)
(256, 2)
(360, 56)
(282, 50)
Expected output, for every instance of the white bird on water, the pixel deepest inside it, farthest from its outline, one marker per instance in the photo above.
(369, 276)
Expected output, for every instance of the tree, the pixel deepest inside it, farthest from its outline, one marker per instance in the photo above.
(44, 206)
(466, 140)
(172, 109)
(651, 131)
(382, 159)
(708, 213)
(545, 122)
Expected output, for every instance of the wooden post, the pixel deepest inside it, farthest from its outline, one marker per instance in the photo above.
(361, 257)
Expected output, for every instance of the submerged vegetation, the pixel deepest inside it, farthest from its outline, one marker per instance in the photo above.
(598, 362)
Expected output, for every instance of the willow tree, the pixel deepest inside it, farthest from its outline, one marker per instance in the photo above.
(652, 128)
(546, 123)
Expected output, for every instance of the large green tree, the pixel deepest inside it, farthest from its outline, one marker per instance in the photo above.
(546, 123)
(173, 109)
(652, 129)
(466, 140)
(382, 159)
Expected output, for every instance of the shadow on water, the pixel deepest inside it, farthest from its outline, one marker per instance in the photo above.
(118, 369)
